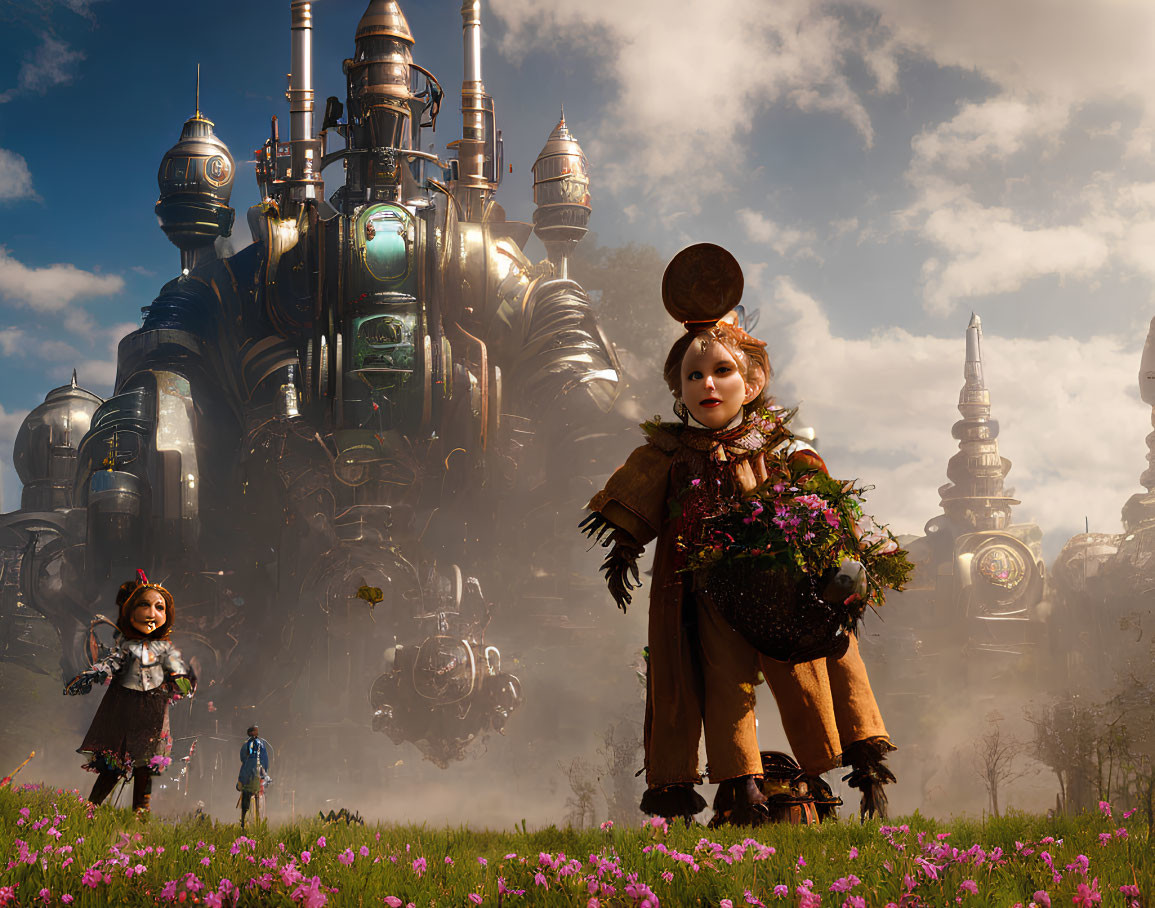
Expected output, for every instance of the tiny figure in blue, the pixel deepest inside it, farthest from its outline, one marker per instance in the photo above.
(254, 775)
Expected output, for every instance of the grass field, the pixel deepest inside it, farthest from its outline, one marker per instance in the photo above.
(56, 848)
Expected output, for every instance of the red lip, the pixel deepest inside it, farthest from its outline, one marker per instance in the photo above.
(709, 402)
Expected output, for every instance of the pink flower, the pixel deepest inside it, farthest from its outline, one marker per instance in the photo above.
(91, 877)
(393, 902)
(448, 861)
(854, 901)
(321, 842)
(1105, 808)
(364, 851)
(607, 825)
(7, 893)
(482, 861)
(419, 866)
(346, 857)
(781, 891)
(1087, 896)
(306, 857)
(539, 880)
(725, 903)
(308, 894)
(970, 886)
(45, 895)
(66, 898)
(475, 898)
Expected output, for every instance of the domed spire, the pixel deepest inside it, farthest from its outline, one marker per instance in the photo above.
(974, 499)
(561, 192)
(384, 19)
(195, 180)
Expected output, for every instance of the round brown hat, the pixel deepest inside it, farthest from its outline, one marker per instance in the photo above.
(702, 283)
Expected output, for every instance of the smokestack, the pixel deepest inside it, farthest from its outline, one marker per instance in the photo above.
(476, 116)
(304, 162)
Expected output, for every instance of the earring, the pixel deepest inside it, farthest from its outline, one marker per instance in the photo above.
(681, 410)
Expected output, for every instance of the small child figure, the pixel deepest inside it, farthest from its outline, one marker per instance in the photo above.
(701, 671)
(254, 774)
(129, 734)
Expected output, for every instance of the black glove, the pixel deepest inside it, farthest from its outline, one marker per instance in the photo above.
(621, 564)
(83, 682)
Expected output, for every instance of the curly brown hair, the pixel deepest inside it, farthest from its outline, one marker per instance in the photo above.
(748, 352)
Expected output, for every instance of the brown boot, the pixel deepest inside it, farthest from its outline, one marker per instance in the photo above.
(673, 802)
(740, 802)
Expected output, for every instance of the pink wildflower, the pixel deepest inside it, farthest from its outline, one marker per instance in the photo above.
(1087, 896)
(308, 894)
(346, 857)
(67, 898)
(321, 841)
(970, 886)
(1042, 899)
(781, 891)
(91, 877)
(393, 902)
(419, 866)
(448, 861)
(540, 880)
(854, 901)
(1105, 808)
(482, 861)
(306, 857)
(45, 895)
(7, 893)
(475, 898)
(725, 903)
(364, 851)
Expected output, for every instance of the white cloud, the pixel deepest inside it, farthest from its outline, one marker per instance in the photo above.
(690, 83)
(995, 128)
(1069, 410)
(52, 288)
(15, 177)
(12, 341)
(51, 64)
(783, 240)
(988, 250)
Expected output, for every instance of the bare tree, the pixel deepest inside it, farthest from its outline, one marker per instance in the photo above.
(621, 753)
(1064, 741)
(583, 782)
(996, 756)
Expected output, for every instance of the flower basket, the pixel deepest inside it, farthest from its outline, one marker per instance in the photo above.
(778, 612)
(766, 562)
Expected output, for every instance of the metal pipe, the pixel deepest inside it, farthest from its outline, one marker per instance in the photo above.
(471, 150)
(305, 158)
(301, 76)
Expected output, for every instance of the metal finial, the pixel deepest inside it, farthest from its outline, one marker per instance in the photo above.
(74, 385)
(198, 113)
(563, 111)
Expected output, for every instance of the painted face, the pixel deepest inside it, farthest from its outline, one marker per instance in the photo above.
(149, 612)
(712, 385)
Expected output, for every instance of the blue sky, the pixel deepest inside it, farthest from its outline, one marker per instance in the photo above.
(881, 168)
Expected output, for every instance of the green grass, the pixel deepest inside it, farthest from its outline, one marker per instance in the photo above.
(911, 861)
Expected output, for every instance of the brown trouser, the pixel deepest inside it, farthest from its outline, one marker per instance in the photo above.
(823, 704)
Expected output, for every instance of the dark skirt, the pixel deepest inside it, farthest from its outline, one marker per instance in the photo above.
(129, 729)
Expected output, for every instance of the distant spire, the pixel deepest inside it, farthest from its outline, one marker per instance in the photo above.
(74, 385)
(974, 498)
(563, 111)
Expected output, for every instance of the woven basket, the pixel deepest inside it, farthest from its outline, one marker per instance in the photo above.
(777, 612)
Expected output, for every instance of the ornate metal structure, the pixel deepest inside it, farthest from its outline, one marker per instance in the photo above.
(309, 441)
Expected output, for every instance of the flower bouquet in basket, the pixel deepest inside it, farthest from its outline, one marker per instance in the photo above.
(793, 565)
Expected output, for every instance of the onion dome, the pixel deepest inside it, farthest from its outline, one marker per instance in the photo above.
(45, 449)
(561, 190)
(195, 180)
(702, 284)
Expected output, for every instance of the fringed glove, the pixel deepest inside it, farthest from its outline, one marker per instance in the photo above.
(621, 565)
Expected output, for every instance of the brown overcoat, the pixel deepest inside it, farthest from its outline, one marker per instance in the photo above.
(700, 670)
